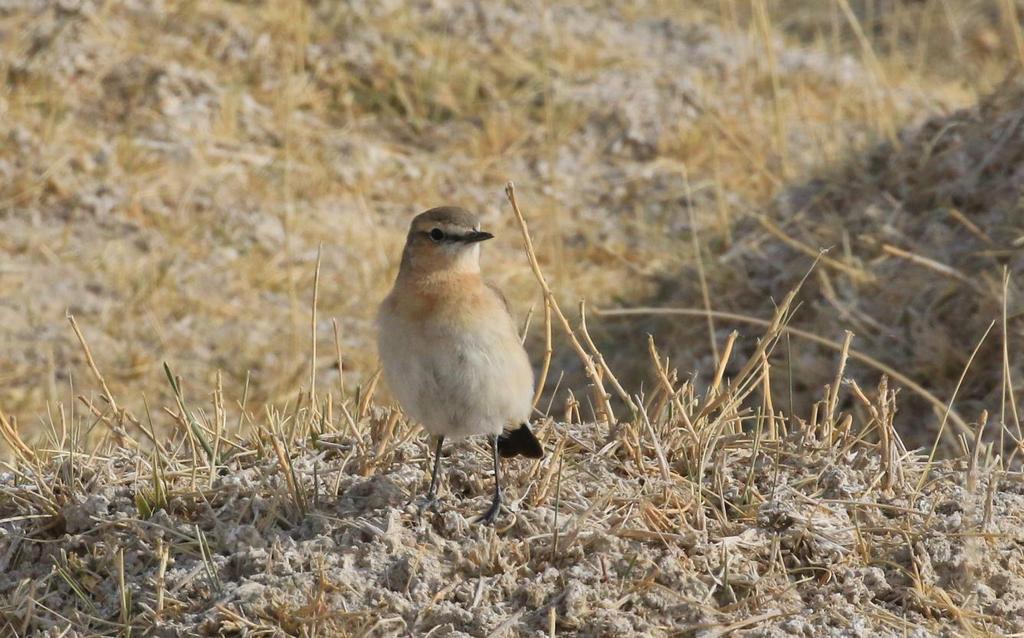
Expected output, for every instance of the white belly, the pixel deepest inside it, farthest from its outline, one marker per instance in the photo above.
(457, 382)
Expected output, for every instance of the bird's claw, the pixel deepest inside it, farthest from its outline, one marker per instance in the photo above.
(488, 517)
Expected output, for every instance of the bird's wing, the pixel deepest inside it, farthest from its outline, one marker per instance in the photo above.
(497, 291)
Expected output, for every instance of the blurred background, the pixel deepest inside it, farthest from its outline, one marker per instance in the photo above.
(169, 170)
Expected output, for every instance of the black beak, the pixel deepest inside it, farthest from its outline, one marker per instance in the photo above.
(475, 236)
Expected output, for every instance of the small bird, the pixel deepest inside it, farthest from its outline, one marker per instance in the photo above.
(449, 347)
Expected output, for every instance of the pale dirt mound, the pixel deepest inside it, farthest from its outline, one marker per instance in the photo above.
(675, 530)
(927, 227)
(919, 233)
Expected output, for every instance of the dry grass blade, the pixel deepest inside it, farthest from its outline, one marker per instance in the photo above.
(713, 631)
(1008, 393)
(601, 397)
(192, 426)
(116, 428)
(1009, 11)
(927, 263)
(92, 363)
(13, 439)
(774, 328)
(878, 72)
(942, 425)
(972, 466)
(312, 330)
(833, 398)
(858, 274)
(723, 361)
(545, 366)
(699, 260)
(338, 354)
(602, 365)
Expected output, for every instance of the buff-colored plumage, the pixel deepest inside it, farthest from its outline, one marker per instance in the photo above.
(449, 347)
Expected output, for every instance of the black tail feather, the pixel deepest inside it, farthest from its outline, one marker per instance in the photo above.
(520, 441)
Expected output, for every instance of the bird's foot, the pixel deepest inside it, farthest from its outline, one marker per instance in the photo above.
(488, 517)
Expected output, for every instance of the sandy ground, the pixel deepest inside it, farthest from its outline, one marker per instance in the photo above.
(788, 536)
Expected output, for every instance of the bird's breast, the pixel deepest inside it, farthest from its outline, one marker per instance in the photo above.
(452, 301)
(453, 358)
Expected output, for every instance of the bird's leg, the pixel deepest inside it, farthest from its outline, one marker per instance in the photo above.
(492, 512)
(432, 491)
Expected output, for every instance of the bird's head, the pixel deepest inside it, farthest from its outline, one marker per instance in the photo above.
(443, 239)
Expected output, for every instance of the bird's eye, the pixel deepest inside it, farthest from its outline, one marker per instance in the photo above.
(437, 234)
